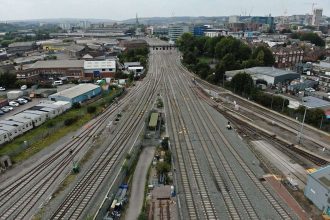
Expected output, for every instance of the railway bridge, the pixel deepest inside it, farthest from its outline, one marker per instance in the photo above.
(162, 47)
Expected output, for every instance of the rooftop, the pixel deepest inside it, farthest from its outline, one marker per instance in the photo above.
(313, 102)
(75, 48)
(76, 90)
(322, 176)
(107, 64)
(21, 44)
(269, 71)
(58, 64)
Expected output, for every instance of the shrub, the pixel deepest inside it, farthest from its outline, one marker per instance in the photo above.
(91, 109)
(70, 121)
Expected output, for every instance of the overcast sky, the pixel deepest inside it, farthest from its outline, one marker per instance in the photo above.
(123, 9)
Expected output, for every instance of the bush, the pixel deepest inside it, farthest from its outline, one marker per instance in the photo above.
(91, 109)
(70, 121)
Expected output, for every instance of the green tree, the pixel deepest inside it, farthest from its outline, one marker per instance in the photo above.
(313, 38)
(268, 58)
(163, 167)
(203, 69)
(219, 72)
(189, 58)
(242, 83)
(7, 79)
(186, 42)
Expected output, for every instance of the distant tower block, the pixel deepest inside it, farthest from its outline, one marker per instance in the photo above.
(317, 16)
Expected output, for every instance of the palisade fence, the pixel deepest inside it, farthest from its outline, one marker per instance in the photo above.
(45, 133)
(105, 206)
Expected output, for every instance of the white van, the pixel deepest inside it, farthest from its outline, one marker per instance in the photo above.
(57, 83)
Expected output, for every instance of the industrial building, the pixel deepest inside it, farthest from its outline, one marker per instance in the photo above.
(101, 69)
(271, 75)
(58, 68)
(77, 94)
(318, 188)
(22, 122)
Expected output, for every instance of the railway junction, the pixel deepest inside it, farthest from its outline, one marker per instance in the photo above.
(219, 172)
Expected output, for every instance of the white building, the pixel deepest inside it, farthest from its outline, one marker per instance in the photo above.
(106, 68)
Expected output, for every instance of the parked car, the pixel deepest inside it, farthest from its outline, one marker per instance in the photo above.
(27, 98)
(23, 87)
(14, 104)
(6, 108)
(22, 101)
(2, 88)
(1, 112)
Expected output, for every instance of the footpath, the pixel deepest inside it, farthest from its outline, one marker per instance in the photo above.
(139, 181)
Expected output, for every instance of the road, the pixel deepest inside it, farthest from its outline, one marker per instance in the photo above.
(139, 181)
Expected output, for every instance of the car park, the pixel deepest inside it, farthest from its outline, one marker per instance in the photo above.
(13, 104)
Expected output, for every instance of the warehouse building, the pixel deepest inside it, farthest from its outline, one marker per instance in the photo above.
(318, 188)
(271, 75)
(72, 69)
(102, 69)
(77, 94)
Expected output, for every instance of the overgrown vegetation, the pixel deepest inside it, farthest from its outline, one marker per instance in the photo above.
(227, 53)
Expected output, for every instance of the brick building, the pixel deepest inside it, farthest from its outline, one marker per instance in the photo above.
(287, 57)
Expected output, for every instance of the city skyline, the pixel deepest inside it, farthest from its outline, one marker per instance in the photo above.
(47, 9)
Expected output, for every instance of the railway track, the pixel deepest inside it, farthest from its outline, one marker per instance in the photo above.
(80, 196)
(207, 206)
(288, 124)
(15, 207)
(250, 211)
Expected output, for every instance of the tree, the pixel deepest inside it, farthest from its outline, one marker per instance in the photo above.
(7, 79)
(242, 83)
(203, 69)
(189, 58)
(186, 42)
(227, 45)
(244, 52)
(219, 72)
(313, 38)
(268, 58)
(163, 167)
(229, 62)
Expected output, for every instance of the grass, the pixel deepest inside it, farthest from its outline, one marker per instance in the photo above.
(205, 59)
(18, 153)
